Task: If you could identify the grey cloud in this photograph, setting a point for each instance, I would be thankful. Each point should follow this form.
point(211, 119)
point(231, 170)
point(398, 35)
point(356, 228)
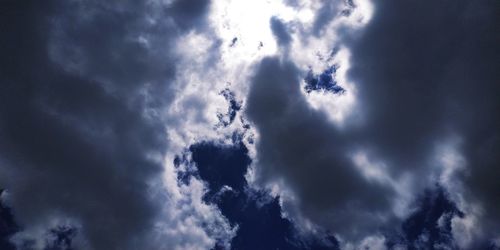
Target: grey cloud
point(299, 144)
point(424, 71)
point(79, 135)
point(188, 13)
point(328, 11)
point(280, 31)
point(429, 69)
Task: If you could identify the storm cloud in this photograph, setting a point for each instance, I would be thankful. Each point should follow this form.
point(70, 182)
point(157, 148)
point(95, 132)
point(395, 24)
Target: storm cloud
point(424, 73)
point(299, 144)
point(197, 124)
point(83, 85)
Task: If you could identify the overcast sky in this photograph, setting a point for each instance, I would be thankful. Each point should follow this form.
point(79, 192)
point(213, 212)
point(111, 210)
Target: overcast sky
point(263, 124)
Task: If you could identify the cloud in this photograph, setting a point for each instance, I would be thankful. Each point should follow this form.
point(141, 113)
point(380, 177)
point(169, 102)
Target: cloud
point(376, 242)
point(421, 73)
point(300, 146)
point(368, 105)
point(425, 72)
point(280, 32)
point(85, 87)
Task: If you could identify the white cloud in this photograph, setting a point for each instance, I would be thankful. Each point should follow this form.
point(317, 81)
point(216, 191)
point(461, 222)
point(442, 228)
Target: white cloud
point(188, 222)
point(467, 230)
point(373, 242)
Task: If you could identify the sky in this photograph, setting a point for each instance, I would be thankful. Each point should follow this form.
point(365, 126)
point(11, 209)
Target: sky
point(263, 124)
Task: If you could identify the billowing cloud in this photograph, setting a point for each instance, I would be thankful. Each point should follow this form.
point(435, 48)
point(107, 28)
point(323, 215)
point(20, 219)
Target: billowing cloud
point(84, 90)
point(423, 74)
point(299, 145)
point(183, 124)
point(426, 72)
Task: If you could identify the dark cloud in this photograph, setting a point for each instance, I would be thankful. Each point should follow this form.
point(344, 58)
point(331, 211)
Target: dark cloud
point(424, 72)
point(280, 31)
point(60, 238)
point(80, 136)
point(300, 145)
point(83, 84)
point(188, 13)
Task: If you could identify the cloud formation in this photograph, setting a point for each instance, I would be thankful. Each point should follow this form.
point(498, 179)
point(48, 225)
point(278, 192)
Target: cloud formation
point(300, 146)
point(427, 72)
point(183, 124)
point(83, 136)
point(423, 74)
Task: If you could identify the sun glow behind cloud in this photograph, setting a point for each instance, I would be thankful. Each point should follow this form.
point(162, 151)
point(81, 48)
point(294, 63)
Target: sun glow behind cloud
point(239, 36)
point(353, 126)
point(248, 22)
point(246, 35)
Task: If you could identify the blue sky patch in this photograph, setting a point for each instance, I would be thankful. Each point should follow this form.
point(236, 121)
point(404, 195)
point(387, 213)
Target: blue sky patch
point(324, 81)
